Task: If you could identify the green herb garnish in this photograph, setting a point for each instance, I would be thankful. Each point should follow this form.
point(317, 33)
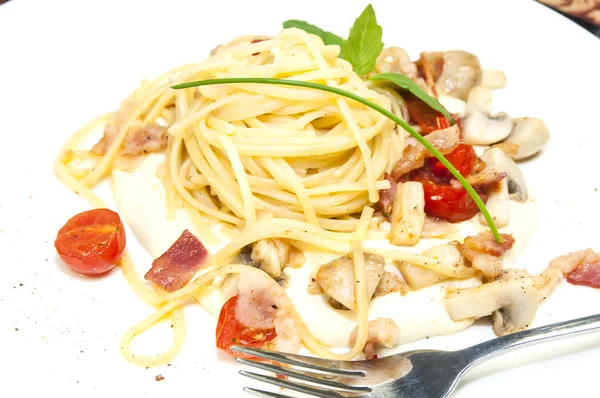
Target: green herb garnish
point(372, 105)
point(363, 45)
point(407, 83)
point(327, 37)
point(361, 49)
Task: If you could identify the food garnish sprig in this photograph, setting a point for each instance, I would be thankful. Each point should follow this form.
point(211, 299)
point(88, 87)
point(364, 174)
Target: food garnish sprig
point(361, 49)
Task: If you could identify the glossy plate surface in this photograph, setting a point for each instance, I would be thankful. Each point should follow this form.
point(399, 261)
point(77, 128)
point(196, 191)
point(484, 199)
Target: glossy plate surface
point(64, 62)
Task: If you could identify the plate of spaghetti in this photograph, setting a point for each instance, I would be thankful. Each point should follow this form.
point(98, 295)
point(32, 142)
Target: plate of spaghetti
point(351, 187)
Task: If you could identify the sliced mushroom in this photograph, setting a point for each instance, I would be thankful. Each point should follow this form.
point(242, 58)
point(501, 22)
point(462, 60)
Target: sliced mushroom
point(512, 300)
point(337, 278)
point(530, 135)
point(479, 100)
point(508, 147)
point(498, 205)
point(447, 255)
point(493, 78)
point(496, 159)
point(419, 277)
point(273, 255)
point(461, 72)
point(453, 105)
point(483, 129)
point(408, 215)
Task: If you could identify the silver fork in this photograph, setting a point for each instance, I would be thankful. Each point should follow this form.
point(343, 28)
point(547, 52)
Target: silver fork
point(414, 374)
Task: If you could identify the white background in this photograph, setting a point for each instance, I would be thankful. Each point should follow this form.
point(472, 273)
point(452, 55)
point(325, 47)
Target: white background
point(64, 62)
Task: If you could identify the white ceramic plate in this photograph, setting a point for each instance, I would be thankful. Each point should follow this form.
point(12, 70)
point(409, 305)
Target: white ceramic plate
point(63, 62)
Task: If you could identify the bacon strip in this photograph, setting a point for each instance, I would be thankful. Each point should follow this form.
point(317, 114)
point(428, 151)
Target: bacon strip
point(140, 140)
point(175, 267)
point(427, 118)
point(484, 252)
point(485, 242)
point(445, 141)
point(485, 179)
point(586, 274)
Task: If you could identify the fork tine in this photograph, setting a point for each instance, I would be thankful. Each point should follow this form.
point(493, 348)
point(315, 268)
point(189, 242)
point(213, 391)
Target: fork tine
point(314, 391)
point(262, 393)
point(300, 361)
point(312, 377)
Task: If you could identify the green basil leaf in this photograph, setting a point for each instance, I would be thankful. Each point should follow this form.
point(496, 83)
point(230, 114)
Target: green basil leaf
point(363, 45)
point(407, 83)
point(327, 37)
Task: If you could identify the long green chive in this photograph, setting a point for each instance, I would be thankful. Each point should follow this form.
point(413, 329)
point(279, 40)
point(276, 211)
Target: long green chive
point(370, 104)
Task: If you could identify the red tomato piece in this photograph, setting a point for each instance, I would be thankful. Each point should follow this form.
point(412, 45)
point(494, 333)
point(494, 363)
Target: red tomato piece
point(231, 332)
point(424, 116)
point(92, 242)
point(447, 202)
point(463, 158)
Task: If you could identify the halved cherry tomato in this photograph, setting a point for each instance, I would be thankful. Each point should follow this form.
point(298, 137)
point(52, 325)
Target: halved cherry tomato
point(447, 202)
point(91, 242)
point(424, 116)
point(463, 158)
point(231, 332)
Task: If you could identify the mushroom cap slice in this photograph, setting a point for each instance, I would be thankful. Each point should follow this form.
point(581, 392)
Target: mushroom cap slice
point(496, 159)
point(530, 135)
point(518, 316)
point(408, 215)
point(337, 278)
point(453, 105)
point(483, 129)
point(512, 300)
point(419, 277)
point(493, 78)
point(480, 99)
point(461, 72)
point(498, 205)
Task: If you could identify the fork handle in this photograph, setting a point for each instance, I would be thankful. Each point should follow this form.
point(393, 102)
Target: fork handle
point(492, 348)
